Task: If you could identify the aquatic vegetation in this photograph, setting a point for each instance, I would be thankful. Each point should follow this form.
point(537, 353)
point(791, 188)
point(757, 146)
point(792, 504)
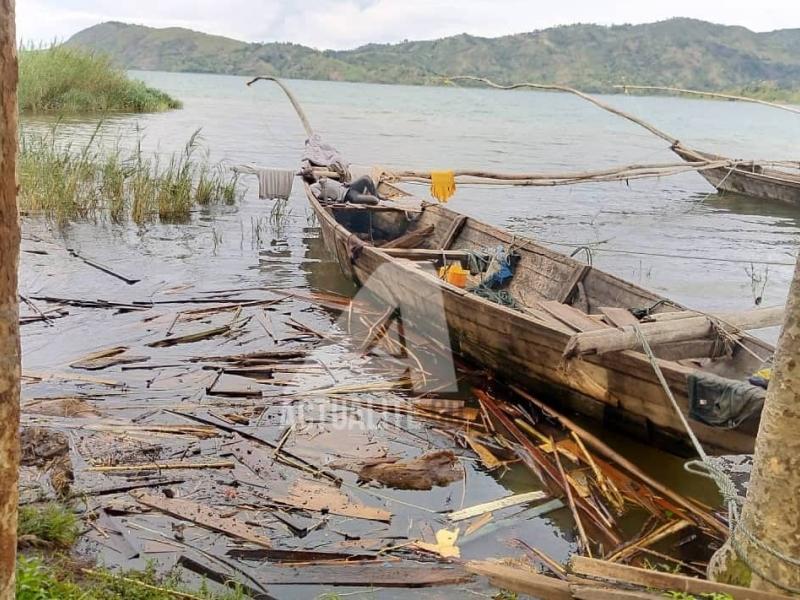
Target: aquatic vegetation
point(51, 523)
point(64, 181)
point(63, 580)
point(60, 79)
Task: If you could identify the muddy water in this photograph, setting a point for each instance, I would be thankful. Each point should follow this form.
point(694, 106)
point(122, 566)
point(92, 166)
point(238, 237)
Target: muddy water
point(709, 240)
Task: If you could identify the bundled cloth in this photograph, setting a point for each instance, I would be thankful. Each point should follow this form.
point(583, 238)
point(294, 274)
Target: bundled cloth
point(272, 183)
point(319, 153)
point(443, 185)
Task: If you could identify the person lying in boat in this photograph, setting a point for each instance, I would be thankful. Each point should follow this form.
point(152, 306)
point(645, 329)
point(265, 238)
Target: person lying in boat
point(359, 191)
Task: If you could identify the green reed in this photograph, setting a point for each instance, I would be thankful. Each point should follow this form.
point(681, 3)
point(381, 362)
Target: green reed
point(61, 79)
point(67, 181)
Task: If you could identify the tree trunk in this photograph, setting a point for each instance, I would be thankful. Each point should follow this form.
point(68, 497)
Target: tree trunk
point(9, 307)
point(771, 510)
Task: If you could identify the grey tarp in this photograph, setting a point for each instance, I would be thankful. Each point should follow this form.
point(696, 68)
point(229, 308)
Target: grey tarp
point(318, 153)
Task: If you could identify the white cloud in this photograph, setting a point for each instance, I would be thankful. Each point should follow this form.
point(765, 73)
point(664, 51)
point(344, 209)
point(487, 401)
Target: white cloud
point(349, 23)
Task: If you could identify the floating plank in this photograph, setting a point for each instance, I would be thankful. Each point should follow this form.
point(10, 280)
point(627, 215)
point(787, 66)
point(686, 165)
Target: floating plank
point(202, 515)
point(586, 592)
point(646, 578)
point(521, 581)
point(153, 466)
point(288, 556)
point(312, 495)
point(369, 574)
point(489, 460)
point(479, 509)
point(105, 358)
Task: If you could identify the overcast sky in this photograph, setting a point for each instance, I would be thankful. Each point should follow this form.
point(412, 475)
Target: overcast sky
point(343, 24)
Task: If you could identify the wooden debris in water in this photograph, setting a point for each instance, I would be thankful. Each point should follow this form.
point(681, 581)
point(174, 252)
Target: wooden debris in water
point(659, 580)
point(489, 460)
point(436, 468)
point(205, 516)
point(306, 494)
point(224, 464)
point(487, 507)
point(659, 533)
point(105, 358)
point(69, 406)
point(103, 268)
point(679, 503)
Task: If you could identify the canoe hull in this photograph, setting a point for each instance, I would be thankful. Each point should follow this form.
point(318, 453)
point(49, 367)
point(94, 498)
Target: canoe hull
point(764, 183)
point(618, 389)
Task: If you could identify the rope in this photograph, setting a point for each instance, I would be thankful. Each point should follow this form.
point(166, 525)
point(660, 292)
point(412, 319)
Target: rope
point(705, 467)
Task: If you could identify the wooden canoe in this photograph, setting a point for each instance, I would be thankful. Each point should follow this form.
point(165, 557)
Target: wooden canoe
point(749, 179)
point(558, 297)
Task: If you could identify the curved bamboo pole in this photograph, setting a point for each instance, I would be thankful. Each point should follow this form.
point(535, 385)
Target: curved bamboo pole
point(678, 90)
point(295, 103)
point(562, 88)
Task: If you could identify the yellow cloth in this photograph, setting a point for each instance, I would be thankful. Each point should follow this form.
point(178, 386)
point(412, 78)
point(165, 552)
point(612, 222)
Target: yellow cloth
point(443, 185)
point(764, 373)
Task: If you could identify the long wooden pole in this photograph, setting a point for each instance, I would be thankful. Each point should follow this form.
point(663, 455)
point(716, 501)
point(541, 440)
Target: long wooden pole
point(9, 308)
point(677, 90)
point(295, 103)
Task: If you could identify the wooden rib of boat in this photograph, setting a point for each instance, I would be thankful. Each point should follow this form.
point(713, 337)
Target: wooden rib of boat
point(558, 298)
point(749, 178)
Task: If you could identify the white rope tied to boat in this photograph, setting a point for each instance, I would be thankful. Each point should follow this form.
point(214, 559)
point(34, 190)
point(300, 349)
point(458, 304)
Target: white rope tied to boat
point(273, 184)
point(705, 467)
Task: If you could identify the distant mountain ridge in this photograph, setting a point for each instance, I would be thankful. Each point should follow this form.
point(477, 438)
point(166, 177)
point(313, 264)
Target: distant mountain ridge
point(678, 52)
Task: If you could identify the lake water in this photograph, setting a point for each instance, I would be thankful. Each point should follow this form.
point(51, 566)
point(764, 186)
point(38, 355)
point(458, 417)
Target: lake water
point(441, 127)
point(672, 235)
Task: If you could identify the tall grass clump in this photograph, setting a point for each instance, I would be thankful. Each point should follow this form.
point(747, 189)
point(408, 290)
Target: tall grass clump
point(61, 79)
point(66, 181)
point(37, 579)
point(51, 523)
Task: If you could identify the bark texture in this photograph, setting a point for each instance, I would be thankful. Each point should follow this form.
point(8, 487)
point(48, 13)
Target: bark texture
point(771, 511)
point(9, 308)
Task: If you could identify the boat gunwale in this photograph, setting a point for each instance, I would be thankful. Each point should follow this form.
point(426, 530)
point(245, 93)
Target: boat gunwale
point(672, 369)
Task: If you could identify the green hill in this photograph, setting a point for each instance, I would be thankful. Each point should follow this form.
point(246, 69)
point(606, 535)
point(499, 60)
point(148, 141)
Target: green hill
point(677, 52)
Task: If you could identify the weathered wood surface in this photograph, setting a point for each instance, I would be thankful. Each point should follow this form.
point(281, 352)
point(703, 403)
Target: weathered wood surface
point(370, 573)
point(479, 509)
point(521, 581)
point(680, 329)
point(411, 239)
point(527, 349)
point(202, 515)
point(755, 181)
point(646, 578)
point(317, 496)
point(9, 308)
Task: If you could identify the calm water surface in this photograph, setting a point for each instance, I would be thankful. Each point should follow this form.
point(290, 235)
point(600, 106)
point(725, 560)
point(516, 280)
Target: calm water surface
point(709, 239)
point(430, 128)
